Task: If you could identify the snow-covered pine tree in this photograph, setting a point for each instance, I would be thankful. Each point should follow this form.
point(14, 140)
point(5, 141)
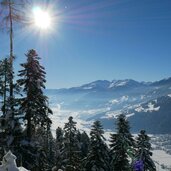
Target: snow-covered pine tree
point(122, 144)
point(34, 155)
point(98, 156)
point(50, 147)
point(40, 138)
point(71, 152)
point(10, 119)
point(35, 104)
point(46, 148)
point(45, 145)
point(143, 152)
point(59, 145)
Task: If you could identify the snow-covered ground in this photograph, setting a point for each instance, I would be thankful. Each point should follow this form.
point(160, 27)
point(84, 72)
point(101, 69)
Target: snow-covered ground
point(161, 158)
point(9, 163)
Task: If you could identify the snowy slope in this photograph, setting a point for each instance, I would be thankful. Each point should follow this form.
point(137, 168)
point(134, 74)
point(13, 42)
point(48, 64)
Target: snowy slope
point(161, 158)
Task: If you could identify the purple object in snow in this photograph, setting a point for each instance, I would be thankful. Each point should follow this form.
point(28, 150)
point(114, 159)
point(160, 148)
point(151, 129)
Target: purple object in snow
point(138, 165)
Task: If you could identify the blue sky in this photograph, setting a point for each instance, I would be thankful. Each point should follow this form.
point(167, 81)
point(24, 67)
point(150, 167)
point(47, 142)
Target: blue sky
point(100, 39)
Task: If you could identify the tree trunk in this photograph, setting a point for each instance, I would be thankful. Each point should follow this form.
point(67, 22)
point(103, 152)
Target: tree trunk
point(11, 56)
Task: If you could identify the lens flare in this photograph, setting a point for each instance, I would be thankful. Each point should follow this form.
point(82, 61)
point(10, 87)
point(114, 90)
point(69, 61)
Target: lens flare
point(42, 18)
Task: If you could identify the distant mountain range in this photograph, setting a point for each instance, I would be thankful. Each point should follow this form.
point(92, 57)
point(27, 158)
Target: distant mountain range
point(146, 104)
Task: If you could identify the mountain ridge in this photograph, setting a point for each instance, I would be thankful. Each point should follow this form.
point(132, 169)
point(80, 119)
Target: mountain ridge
point(107, 84)
point(104, 100)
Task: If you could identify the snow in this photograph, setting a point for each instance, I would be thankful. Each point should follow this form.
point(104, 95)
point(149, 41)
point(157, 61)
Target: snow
point(152, 108)
point(22, 169)
point(129, 115)
point(87, 88)
point(117, 84)
point(114, 101)
point(121, 84)
point(119, 100)
point(112, 114)
point(124, 98)
point(149, 108)
point(139, 109)
point(112, 84)
point(161, 157)
point(9, 163)
point(169, 95)
point(155, 101)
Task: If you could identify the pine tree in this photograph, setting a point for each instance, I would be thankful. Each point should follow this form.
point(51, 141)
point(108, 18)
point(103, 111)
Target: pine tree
point(84, 144)
point(121, 145)
point(34, 105)
point(44, 142)
point(50, 147)
point(40, 138)
point(71, 152)
point(59, 147)
point(36, 155)
point(143, 152)
point(98, 155)
point(10, 119)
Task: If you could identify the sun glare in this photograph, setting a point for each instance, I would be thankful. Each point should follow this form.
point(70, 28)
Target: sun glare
point(42, 19)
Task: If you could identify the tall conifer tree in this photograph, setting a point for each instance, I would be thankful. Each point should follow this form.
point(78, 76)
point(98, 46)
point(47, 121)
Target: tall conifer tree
point(143, 151)
point(71, 153)
point(122, 144)
point(59, 147)
point(10, 119)
point(98, 156)
point(34, 104)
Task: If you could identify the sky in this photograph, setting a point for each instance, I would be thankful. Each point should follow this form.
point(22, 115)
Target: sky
point(98, 40)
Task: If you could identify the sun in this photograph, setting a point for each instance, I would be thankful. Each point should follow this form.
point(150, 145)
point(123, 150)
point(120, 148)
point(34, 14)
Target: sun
point(42, 18)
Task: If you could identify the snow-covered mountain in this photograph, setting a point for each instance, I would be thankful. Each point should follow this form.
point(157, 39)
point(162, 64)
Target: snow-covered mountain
point(104, 85)
point(146, 104)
